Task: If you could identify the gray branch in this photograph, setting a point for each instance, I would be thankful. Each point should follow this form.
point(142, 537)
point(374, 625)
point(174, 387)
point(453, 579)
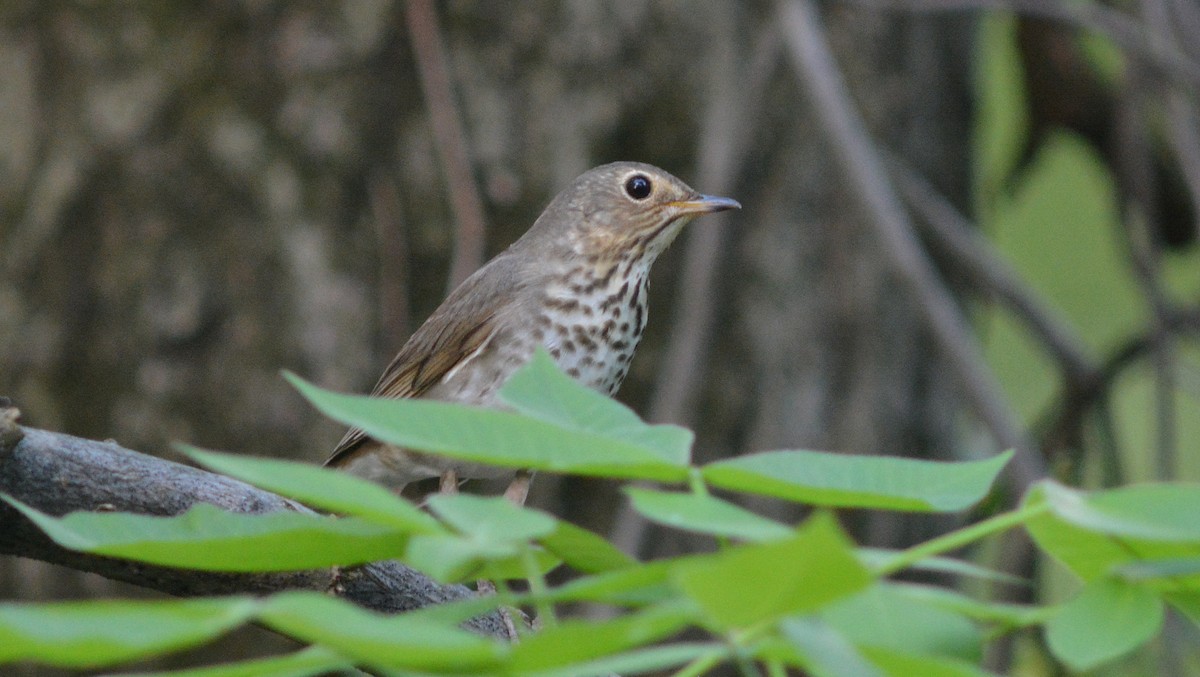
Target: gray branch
point(59, 474)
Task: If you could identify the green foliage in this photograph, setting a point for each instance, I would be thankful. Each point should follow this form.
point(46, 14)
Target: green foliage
point(1056, 212)
point(800, 597)
point(822, 478)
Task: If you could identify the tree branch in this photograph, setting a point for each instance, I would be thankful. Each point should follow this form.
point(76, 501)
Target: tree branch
point(1125, 31)
point(450, 139)
point(59, 474)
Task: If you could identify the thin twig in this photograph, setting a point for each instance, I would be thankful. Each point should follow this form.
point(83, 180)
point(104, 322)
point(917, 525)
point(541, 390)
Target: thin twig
point(450, 140)
point(863, 167)
point(1119, 27)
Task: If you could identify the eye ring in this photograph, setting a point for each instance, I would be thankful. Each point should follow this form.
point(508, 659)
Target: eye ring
point(638, 187)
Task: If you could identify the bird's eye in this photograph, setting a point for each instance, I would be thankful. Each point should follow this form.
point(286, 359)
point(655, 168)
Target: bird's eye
point(638, 187)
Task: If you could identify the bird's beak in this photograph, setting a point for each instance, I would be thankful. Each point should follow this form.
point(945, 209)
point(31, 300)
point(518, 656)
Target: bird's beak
point(704, 204)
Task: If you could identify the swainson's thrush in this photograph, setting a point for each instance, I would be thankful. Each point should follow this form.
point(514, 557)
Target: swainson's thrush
point(574, 283)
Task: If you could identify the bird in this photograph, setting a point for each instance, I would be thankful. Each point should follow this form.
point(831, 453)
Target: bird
point(575, 283)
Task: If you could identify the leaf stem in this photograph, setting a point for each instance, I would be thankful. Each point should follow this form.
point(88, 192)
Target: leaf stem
point(960, 537)
point(702, 664)
point(537, 586)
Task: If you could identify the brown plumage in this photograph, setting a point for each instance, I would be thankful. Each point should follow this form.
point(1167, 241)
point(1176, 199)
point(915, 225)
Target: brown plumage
point(574, 283)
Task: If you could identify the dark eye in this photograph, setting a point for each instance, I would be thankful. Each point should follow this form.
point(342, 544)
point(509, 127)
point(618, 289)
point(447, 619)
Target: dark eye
point(638, 187)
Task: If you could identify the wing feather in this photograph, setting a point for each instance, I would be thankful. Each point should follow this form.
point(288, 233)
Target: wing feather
point(457, 331)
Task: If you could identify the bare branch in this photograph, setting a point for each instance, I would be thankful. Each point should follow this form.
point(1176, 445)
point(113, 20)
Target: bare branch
point(451, 141)
point(58, 474)
point(815, 68)
point(1123, 30)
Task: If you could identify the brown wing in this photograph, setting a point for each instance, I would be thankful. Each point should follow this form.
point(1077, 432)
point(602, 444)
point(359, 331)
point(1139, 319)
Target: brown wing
point(462, 325)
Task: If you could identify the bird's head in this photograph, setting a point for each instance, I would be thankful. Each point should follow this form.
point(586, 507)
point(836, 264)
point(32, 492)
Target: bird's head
point(622, 210)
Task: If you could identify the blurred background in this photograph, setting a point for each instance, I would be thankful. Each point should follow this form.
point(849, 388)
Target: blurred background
point(968, 225)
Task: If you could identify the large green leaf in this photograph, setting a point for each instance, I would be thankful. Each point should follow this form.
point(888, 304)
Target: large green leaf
point(1096, 534)
point(705, 514)
point(388, 642)
point(501, 438)
point(656, 659)
point(491, 519)
point(574, 642)
point(542, 391)
point(1002, 118)
point(583, 550)
point(843, 480)
point(885, 616)
point(647, 583)
point(100, 633)
point(453, 559)
point(491, 536)
point(1109, 618)
point(900, 664)
point(1061, 230)
point(763, 582)
point(305, 663)
point(825, 652)
point(320, 488)
point(1158, 512)
point(208, 538)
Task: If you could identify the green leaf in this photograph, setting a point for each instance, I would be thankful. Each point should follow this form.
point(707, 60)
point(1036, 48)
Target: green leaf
point(647, 583)
point(450, 559)
point(636, 662)
point(823, 478)
point(511, 568)
point(704, 514)
point(453, 559)
point(1109, 618)
point(541, 390)
point(99, 633)
point(388, 642)
point(1096, 534)
point(900, 664)
point(208, 538)
point(575, 642)
point(1156, 512)
point(1062, 232)
point(1187, 603)
point(492, 535)
point(583, 550)
point(1002, 121)
point(825, 652)
point(310, 661)
point(320, 488)
point(491, 519)
point(762, 582)
point(500, 438)
point(886, 616)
